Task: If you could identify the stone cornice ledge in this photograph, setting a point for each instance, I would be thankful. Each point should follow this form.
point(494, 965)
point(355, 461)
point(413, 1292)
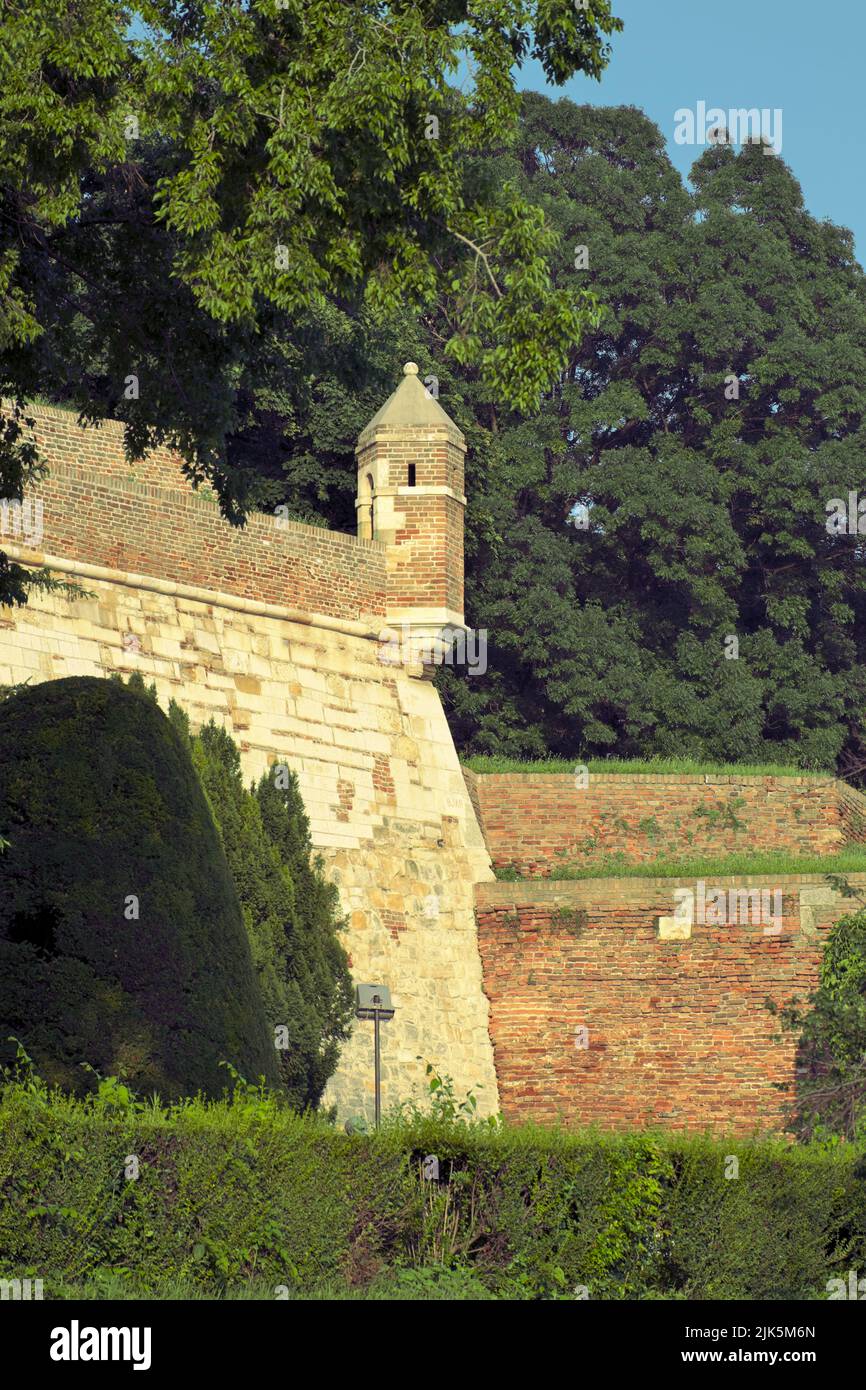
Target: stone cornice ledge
point(366, 628)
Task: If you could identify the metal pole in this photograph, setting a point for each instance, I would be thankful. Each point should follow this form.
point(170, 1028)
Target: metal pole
point(378, 1072)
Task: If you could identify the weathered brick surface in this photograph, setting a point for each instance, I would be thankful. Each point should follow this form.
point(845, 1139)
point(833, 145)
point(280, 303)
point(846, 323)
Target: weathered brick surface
point(679, 1033)
point(541, 821)
point(146, 519)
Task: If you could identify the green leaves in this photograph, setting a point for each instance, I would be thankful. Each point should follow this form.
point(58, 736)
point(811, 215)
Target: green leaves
point(290, 912)
point(704, 419)
point(327, 144)
point(830, 1100)
point(175, 194)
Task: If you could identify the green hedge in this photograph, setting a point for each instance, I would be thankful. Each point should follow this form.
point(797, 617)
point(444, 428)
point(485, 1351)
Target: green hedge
point(122, 943)
point(239, 1191)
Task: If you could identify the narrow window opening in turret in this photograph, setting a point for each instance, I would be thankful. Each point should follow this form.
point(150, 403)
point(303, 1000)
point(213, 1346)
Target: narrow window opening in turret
point(411, 479)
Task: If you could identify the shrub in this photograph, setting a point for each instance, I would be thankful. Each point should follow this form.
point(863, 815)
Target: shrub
point(243, 1194)
point(321, 992)
point(830, 1100)
point(121, 937)
point(290, 911)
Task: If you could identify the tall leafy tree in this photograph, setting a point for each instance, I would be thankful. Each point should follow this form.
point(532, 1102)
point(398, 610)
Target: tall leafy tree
point(671, 491)
point(60, 70)
point(700, 430)
point(174, 192)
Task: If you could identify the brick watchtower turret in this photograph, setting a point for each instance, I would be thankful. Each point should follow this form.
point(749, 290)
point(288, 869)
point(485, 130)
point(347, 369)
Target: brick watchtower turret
point(410, 495)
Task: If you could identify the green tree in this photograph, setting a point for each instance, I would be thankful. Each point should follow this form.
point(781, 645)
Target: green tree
point(830, 1100)
point(121, 938)
point(701, 430)
point(290, 911)
point(697, 432)
point(173, 194)
point(319, 980)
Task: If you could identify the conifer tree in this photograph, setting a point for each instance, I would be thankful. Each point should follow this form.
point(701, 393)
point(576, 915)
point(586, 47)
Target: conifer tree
point(122, 944)
point(290, 911)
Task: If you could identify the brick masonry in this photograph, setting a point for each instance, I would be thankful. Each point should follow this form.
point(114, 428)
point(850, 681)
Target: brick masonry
point(145, 518)
point(424, 520)
point(678, 1032)
point(539, 822)
point(275, 635)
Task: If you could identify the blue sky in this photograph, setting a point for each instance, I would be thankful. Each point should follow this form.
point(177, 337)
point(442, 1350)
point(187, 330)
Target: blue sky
point(806, 58)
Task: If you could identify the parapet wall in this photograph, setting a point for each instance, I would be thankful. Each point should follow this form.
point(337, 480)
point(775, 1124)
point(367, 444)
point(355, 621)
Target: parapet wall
point(540, 822)
point(146, 518)
point(677, 1032)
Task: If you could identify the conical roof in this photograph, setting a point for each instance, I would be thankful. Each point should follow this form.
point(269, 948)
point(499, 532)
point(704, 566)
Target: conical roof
point(410, 407)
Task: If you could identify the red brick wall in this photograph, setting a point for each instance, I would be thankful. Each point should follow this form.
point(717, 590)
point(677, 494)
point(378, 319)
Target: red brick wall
point(426, 565)
point(62, 442)
point(679, 1034)
point(541, 821)
point(147, 519)
point(427, 569)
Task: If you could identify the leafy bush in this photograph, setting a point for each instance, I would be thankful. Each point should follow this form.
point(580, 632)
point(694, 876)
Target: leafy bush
point(121, 937)
point(242, 1195)
point(290, 911)
point(830, 1100)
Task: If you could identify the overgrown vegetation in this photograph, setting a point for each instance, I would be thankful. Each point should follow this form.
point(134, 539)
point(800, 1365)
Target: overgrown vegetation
point(241, 1197)
point(765, 863)
point(484, 762)
point(830, 1091)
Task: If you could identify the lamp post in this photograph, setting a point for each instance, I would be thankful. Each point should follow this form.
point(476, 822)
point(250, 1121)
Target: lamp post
point(374, 1001)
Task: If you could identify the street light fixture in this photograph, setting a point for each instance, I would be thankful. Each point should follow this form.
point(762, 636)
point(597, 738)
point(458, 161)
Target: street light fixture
point(374, 1001)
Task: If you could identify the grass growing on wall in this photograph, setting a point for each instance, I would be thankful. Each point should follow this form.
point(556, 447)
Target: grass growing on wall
point(763, 864)
point(659, 766)
point(240, 1198)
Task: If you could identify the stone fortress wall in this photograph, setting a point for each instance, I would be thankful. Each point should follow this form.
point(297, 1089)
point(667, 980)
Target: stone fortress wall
point(276, 631)
point(307, 646)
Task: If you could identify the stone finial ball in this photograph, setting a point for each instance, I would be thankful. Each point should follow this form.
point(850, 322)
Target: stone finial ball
point(410, 369)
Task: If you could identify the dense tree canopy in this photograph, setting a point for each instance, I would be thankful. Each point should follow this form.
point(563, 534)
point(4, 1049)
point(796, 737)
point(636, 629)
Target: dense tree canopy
point(176, 193)
point(702, 428)
point(671, 493)
point(647, 543)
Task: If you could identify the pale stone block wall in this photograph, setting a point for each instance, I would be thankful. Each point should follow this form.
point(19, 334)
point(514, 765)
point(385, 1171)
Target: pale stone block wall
point(379, 775)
